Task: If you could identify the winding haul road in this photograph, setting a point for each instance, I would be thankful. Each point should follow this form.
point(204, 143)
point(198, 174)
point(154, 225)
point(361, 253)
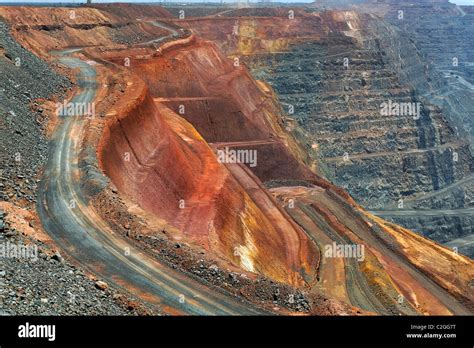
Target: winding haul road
point(82, 234)
point(358, 290)
point(425, 212)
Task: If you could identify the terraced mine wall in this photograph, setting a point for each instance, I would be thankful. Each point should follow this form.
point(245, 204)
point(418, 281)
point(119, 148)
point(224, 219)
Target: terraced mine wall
point(386, 162)
point(442, 34)
point(380, 160)
point(429, 75)
point(431, 46)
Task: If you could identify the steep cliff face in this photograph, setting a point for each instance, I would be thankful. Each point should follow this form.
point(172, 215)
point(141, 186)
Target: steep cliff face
point(226, 107)
point(170, 171)
point(334, 81)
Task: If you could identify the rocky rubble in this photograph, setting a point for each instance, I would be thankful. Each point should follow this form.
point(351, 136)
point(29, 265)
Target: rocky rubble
point(42, 282)
point(25, 80)
point(263, 290)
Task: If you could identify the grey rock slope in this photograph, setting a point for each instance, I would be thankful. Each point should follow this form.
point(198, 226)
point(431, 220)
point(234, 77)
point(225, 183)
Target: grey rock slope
point(36, 281)
point(23, 148)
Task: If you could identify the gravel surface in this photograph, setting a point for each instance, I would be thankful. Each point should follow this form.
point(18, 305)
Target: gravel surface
point(23, 148)
point(40, 281)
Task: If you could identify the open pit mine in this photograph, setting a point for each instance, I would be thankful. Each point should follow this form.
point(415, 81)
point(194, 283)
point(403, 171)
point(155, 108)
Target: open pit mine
point(237, 160)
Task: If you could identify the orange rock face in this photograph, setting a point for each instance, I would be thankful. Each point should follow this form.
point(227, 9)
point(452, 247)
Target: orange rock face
point(246, 33)
point(171, 171)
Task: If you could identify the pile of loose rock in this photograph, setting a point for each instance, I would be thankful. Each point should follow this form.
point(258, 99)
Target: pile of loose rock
point(41, 282)
point(25, 80)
